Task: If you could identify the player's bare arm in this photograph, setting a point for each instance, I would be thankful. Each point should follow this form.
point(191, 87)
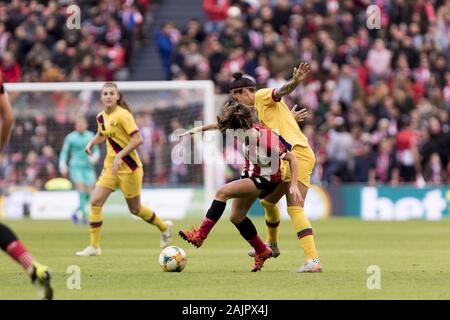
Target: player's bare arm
point(136, 141)
point(98, 139)
point(6, 120)
point(298, 76)
point(212, 126)
point(293, 188)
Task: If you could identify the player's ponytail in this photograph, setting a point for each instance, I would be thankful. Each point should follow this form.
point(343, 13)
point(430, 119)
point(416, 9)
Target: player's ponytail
point(121, 102)
point(235, 116)
point(241, 81)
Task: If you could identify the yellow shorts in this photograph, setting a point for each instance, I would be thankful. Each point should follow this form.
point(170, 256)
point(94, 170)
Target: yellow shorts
point(305, 165)
point(129, 183)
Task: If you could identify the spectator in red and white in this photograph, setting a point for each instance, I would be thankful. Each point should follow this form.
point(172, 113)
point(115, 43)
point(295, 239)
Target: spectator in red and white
point(100, 70)
point(10, 68)
point(339, 153)
point(235, 61)
point(447, 92)
point(217, 13)
point(407, 151)
point(386, 167)
point(378, 62)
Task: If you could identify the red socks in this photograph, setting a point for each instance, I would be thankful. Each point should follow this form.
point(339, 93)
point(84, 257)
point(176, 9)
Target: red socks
point(18, 252)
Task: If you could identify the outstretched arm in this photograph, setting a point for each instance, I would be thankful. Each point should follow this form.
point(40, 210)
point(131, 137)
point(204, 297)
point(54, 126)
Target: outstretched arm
point(298, 76)
point(212, 126)
point(96, 140)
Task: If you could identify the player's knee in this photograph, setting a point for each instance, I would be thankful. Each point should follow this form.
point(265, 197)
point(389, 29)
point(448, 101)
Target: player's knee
point(96, 202)
point(135, 209)
point(267, 205)
point(235, 219)
point(295, 203)
point(222, 194)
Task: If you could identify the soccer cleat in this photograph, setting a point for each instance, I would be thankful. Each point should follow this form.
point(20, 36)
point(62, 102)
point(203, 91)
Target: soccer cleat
point(166, 236)
point(40, 278)
point(192, 237)
point(74, 218)
point(312, 265)
point(261, 258)
point(89, 251)
point(273, 246)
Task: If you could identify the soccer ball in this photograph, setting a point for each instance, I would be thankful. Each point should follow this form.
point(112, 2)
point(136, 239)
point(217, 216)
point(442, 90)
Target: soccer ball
point(172, 259)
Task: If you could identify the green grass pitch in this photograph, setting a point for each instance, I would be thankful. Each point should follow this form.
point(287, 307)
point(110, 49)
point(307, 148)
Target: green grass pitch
point(414, 259)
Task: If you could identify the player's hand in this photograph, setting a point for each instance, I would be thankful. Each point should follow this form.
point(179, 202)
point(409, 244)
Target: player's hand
point(94, 157)
point(301, 72)
point(116, 165)
point(295, 192)
point(88, 149)
point(64, 172)
point(63, 169)
point(299, 115)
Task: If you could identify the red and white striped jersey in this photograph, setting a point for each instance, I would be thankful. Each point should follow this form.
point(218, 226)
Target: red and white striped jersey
point(263, 153)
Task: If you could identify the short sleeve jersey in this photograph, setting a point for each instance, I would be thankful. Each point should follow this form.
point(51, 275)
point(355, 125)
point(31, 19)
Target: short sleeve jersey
point(275, 115)
point(118, 127)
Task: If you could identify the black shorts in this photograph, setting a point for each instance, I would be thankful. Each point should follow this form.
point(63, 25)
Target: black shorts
point(262, 184)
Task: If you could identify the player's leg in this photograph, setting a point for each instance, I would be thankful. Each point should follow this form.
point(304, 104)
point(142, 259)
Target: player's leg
point(88, 187)
point(272, 219)
point(303, 230)
point(131, 186)
point(76, 178)
point(40, 274)
point(81, 201)
point(148, 215)
point(87, 190)
point(100, 195)
point(236, 189)
point(302, 225)
point(247, 229)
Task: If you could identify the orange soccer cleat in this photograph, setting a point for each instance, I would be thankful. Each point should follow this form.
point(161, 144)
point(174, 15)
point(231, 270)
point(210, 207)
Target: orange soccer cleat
point(261, 258)
point(192, 237)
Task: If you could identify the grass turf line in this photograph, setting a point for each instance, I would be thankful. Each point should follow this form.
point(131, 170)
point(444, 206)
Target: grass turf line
point(413, 257)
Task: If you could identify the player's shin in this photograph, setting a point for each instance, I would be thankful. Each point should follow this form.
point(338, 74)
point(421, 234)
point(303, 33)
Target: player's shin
point(95, 222)
point(304, 231)
point(248, 231)
point(272, 218)
point(150, 216)
point(212, 216)
point(15, 248)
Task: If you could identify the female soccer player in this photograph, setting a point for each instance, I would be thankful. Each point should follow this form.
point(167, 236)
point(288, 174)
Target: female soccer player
point(40, 274)
point(122, 167)
point(275, 115)
point(81, 166)
point(263, 150)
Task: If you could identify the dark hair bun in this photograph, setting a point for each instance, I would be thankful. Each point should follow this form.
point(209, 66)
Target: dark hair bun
point(238, 75)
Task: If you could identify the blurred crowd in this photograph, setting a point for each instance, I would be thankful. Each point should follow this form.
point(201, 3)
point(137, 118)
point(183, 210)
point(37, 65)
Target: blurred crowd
point(31, 156)
point(378, 99)
point(40, 40)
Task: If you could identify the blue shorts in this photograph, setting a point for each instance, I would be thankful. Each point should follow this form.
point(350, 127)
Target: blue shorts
point(85, 176)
